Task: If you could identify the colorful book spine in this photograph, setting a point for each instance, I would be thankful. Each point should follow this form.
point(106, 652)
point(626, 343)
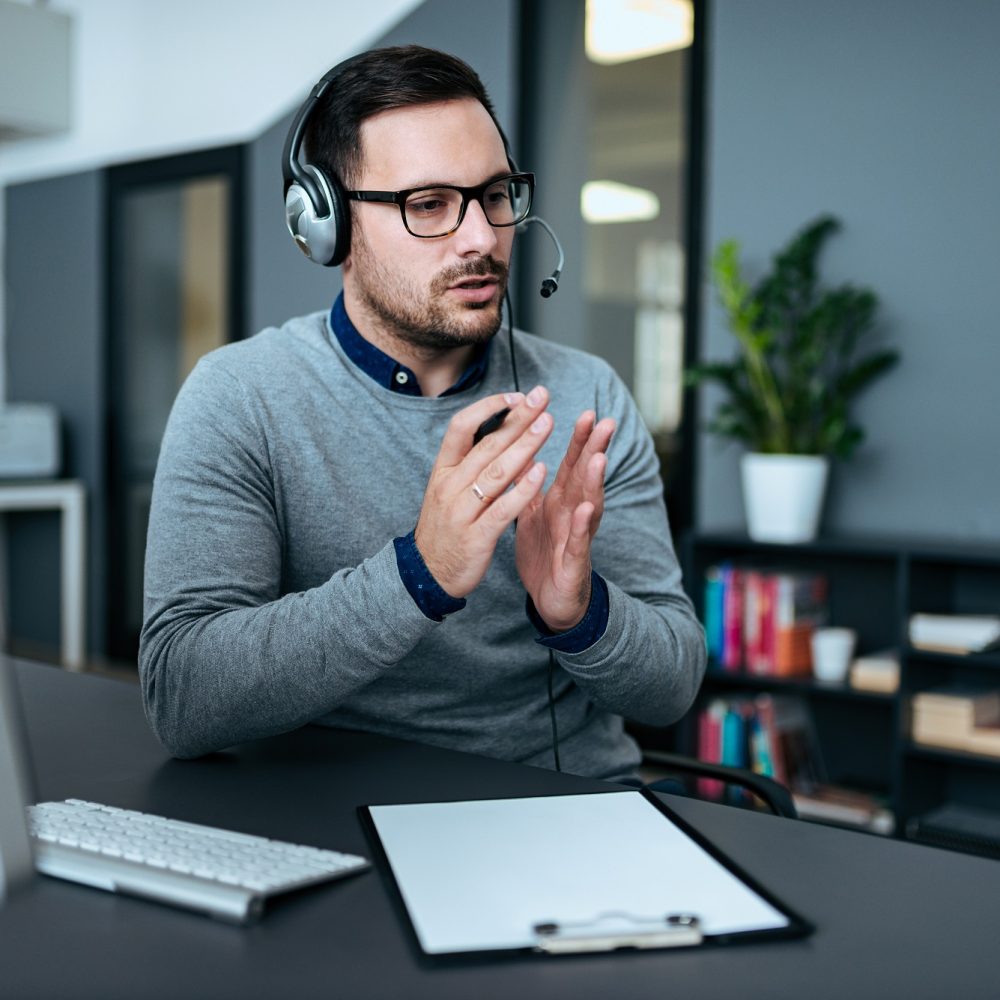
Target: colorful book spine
point(800, 606)
point(754, 609)
point(772, 735)
point(714, 594)
point(764, 710)
point(760, 749)
point(710, 747)
point(736, 743)
point(732, 619)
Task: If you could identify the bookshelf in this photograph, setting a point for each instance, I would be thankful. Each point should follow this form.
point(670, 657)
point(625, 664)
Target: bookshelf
point(864, 737)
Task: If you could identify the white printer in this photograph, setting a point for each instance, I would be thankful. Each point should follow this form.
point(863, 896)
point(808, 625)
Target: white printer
point(29, 441)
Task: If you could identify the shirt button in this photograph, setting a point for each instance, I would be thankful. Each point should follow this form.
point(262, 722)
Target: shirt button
point(402, 378)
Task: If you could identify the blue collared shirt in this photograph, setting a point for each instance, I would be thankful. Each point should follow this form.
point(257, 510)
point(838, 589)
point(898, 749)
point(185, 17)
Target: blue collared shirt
point(387, 371)
point(434, 602)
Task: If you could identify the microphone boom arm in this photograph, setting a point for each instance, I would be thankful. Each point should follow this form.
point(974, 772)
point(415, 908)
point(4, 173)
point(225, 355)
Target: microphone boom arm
point(551, 283)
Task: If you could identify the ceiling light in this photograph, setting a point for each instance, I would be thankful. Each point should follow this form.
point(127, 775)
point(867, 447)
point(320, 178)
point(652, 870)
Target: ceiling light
point(609, 201)
point(620, 30)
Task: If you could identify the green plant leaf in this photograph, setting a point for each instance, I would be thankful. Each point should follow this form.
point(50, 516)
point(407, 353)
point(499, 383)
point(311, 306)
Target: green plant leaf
point(795, 371)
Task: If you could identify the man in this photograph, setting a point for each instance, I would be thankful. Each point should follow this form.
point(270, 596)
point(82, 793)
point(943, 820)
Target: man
point(329, 543)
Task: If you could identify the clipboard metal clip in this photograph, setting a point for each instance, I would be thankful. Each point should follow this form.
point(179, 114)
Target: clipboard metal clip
point(611, 931)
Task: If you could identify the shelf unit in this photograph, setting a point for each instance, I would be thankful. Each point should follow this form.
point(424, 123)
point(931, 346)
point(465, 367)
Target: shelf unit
point(875, 585)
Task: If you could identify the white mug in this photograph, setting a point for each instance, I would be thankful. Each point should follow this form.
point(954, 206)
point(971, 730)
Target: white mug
point(832, 652)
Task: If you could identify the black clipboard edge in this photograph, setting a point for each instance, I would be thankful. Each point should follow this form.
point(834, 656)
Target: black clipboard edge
point(798, 926)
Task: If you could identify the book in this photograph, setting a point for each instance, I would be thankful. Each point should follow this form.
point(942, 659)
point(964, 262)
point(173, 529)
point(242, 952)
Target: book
point(732, 618)
point(847, 807)
point(772, 735)
point(710, 746)
point(758, 622)
point(797, 744)
point(714, 594)
point(800, 606)
point(959, 634)
point(734, 736)
point(764, 705)
point(761, 621)
point(964, 705)
point(736, 744)
point(957, 717)
point(876, 672)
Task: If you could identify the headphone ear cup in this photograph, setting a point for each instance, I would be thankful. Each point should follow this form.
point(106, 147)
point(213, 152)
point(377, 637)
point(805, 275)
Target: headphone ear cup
point(323, 235)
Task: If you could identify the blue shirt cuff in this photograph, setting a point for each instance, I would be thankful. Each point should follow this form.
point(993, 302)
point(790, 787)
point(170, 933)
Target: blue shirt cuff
point(434, 603)
point(586, 632)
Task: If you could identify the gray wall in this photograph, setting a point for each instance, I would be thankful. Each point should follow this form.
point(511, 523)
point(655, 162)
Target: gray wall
point(886, 115)
point(553, 151)
point(55, 354)
point(283, 283)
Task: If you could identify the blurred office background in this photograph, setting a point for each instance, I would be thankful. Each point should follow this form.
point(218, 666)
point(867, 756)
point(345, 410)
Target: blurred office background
point(141, 226)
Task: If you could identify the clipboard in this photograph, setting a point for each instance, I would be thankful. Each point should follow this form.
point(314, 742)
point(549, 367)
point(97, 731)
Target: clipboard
point(567, 874)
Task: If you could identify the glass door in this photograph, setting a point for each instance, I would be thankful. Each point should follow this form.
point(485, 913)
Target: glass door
point(610, 120)
point(174, 293)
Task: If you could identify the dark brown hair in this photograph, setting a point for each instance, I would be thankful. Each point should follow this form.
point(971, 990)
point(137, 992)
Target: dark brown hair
point(379, 80)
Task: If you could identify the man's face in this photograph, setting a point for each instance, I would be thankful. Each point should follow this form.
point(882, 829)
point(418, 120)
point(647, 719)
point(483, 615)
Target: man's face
point(438, 293)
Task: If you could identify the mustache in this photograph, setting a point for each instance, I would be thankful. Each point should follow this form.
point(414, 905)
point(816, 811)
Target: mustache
point(481, 267)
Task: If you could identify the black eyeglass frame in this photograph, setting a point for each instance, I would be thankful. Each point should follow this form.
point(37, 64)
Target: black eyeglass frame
point(467, 193)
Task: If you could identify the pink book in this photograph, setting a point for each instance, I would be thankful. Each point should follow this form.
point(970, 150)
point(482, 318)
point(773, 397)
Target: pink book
point(732, 619)
point(710, 747)
point(753, 617)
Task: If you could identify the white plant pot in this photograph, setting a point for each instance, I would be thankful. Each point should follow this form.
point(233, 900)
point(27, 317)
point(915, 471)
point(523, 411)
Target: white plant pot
point(783, 495)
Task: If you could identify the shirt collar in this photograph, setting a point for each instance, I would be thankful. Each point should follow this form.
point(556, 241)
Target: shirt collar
point(387, 371)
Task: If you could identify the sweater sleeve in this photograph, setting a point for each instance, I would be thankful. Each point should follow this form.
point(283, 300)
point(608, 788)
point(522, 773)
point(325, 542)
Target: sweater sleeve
point(649, 663)
point(224, 655)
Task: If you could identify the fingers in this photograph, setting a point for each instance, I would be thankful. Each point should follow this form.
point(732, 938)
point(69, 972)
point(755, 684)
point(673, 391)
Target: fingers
point(576, 472)
point(503, 457)
point(508, 507)
point(495, 478)
point(581, 529)
point(581, 434)
point(457, 440)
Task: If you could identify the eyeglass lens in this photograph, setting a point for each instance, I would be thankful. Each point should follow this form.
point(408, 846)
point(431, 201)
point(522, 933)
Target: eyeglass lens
point(436, 211)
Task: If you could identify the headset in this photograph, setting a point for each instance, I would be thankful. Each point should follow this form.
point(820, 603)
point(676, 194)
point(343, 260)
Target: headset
point(317, 212)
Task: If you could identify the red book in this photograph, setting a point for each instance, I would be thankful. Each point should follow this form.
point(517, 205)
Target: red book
point(710, 747)
point(732, 618)
point(754, 607)
point(768, 622)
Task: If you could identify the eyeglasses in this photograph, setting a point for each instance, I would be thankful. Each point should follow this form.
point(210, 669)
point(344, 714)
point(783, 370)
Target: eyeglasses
point(434, 211)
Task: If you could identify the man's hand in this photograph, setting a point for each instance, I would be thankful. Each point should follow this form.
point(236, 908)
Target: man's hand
point(468, 504)
point(555, 531)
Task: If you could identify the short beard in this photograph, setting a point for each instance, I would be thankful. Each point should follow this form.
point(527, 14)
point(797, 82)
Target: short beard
point(424, 321)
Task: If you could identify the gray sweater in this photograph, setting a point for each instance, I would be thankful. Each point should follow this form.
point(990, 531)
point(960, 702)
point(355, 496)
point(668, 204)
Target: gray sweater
point(272, 595)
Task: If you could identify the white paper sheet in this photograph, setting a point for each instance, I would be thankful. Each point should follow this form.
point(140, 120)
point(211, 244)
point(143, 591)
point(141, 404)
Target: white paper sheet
point(477, 876)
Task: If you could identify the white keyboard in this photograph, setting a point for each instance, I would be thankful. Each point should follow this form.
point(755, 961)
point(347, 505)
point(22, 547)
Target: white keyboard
point(220, 872)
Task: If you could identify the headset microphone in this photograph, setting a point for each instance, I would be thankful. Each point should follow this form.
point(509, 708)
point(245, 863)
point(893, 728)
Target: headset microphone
point(551, 283)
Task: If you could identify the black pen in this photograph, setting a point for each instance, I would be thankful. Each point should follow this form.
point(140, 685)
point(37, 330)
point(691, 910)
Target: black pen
point(490, 424)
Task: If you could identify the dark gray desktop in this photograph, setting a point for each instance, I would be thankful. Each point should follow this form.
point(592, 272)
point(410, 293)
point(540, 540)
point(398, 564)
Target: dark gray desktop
point(892, 919)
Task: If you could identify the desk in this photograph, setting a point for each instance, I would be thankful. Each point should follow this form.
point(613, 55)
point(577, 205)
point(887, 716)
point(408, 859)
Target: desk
point(68, 497)
point(893, 919)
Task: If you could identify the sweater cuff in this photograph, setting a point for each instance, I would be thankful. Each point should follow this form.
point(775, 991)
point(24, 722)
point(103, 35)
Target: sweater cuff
point(434, 603)
point(586, 632)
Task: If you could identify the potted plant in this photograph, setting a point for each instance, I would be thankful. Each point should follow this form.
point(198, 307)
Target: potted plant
point(789, 387)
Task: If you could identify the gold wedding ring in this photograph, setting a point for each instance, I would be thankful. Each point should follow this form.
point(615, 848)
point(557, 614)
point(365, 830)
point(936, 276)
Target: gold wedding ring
point(480, 495)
